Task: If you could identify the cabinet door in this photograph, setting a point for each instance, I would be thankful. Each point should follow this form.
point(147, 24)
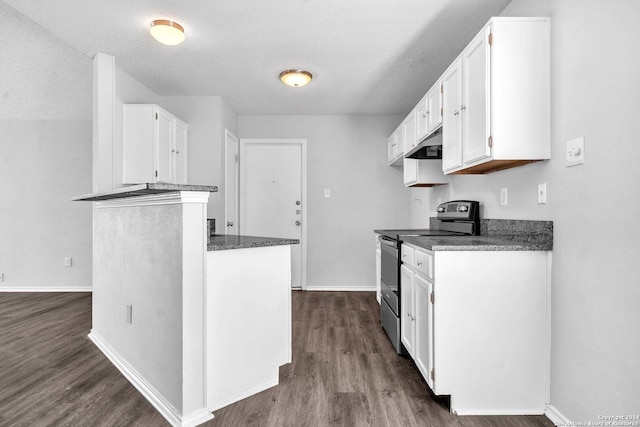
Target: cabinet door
point(422, 119)
point(451, 121)
point(180, 152)
point(475, 105)
point(434, 107)
point(399, 147)
point(391, 147)
point(378, 273)
point(409, 126)
point(406, 308)
point(410, 170)
point(163, 137)
point(423, 349)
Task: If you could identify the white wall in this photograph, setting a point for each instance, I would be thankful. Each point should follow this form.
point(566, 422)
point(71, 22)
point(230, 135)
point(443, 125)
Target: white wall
point(595, 368)
point(347, 154)
point(45, 158)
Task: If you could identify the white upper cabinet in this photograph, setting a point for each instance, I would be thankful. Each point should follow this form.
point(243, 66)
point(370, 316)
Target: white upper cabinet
point(180, 152)
point(422, 119)
point(496, 98)
point(475, 99)
point(154, 146)
point(396, 146)
point(409, 125)
point(451, 119)
point(434, 107)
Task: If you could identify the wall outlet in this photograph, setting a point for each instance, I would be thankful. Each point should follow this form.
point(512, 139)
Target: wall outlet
point(1, 277)
point(542, 193)
point(575, 152)
point(504, 196)
point(67, 261)
point(129, 313)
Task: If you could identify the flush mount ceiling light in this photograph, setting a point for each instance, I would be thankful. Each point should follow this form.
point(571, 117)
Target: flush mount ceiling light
point(295, 78)
point(167, 32)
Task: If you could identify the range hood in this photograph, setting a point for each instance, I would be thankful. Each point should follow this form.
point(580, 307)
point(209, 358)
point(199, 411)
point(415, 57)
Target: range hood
point(428, 148)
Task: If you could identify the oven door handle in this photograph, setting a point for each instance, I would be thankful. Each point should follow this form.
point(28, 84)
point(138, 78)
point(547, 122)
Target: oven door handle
point(389, 242)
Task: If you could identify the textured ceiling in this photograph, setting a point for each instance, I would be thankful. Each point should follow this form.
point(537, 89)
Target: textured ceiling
point(367, 56)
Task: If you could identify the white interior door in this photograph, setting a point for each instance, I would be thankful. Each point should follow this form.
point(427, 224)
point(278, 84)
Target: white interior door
point(230, 183)
point(272, 202)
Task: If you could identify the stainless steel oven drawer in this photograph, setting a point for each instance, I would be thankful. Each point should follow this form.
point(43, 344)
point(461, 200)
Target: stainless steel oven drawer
point(391, 325)
point(390, 297)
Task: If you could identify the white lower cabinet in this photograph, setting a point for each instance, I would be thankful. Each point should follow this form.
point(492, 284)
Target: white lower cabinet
point(476, 324)
point(378, 267)
point(422, 354)
point(416, 322)
point(407, 309)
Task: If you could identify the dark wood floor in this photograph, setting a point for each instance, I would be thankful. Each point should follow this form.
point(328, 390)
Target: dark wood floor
point(344, 372)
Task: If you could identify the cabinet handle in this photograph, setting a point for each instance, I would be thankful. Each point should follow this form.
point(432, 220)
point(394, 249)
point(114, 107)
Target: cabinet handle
point(463, 107)
point(456, 112)
point(173, 151)
point(419, 263)
point(177, 152)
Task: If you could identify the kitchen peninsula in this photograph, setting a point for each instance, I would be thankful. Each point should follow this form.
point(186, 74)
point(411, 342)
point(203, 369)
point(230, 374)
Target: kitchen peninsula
point(193, 325)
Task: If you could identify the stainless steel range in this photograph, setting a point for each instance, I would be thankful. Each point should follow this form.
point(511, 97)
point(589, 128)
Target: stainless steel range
point(456, 218)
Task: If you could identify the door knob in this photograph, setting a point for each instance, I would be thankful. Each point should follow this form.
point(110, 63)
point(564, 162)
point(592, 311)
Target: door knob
point(298, 223)
point(229, 224)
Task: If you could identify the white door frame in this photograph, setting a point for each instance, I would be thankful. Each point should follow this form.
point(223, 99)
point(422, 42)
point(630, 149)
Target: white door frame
point(303, 146)
point(227, 136)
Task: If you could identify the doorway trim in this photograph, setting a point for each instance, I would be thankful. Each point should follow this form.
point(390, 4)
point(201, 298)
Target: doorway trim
point(229, 136)
point(244, 142)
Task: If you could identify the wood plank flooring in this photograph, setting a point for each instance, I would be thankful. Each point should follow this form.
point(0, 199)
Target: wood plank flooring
point(344, 372)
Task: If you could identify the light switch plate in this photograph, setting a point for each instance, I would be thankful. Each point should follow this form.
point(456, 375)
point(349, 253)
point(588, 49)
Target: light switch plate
point(575, 152)
point(504, 193)
point(542, 193)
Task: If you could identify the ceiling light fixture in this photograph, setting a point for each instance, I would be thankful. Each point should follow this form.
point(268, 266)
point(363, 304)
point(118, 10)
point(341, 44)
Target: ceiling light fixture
point(295, 78)
point(167, 32)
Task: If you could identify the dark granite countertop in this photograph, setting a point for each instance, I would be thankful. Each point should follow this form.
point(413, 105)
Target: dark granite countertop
point(142, 190)
point(495, 235)
point(475, 243)
point(221, 242)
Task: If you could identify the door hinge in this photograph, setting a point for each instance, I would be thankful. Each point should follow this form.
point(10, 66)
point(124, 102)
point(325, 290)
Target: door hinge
point(431, 298)
point(441, 88)
point(156, 174)
point(441, 112)
point(490, 39)
point(236, 158)
point(156, 116)
point(433, 375)
point(490, 141)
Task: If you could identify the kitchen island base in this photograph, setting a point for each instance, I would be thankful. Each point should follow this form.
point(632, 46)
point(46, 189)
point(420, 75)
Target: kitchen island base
point(185, 325)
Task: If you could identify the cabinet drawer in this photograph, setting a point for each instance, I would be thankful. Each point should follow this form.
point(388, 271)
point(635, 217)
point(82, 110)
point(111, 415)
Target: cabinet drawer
point(424, 263)
point(407, 255)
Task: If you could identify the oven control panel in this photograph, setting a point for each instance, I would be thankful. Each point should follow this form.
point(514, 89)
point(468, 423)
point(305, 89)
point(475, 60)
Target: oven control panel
point(465, 210)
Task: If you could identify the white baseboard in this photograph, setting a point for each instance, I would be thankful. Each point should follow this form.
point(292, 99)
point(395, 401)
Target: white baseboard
point(47, 289)
point(166, 409)
point(340, 288)
point(556, 417)
point(257, 389)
